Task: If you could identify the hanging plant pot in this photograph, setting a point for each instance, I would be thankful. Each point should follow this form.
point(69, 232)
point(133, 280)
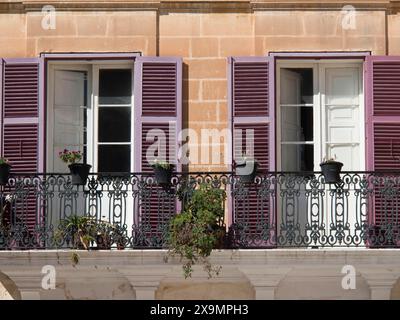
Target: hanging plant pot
point(247, 171)
point(331, 171)
point(4, 173)
point(162, 175)
point(79, 172)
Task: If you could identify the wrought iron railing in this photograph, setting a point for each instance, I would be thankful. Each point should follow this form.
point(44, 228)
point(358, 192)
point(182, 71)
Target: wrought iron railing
point(40, 211)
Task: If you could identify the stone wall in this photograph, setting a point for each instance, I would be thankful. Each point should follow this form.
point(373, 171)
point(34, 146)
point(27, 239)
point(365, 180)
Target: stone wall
point(204, 34)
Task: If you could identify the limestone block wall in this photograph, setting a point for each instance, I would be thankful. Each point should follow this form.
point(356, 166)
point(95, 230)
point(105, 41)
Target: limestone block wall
point(204, 34)
point(120, 31)
point(394, 34)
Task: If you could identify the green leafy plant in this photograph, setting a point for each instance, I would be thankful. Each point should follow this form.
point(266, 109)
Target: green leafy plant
point(4, 161)
point(81, 231)
point(70, 157)
point(198, 229)
point(74, 258)
point(161, 164)
point(77, 230)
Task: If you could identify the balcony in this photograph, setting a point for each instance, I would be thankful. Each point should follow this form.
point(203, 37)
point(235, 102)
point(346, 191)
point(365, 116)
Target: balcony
point(131, 211)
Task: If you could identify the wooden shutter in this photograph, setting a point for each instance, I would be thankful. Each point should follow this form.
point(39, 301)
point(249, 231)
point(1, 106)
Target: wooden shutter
point(158, 109)
point(383, 135)
point(22, 138)
point(251, 98)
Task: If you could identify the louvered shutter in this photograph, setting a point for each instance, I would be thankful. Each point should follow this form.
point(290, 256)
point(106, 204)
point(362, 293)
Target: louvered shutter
point(251, 99)
point(22, 126)
point(383, 137)
point(158, 113)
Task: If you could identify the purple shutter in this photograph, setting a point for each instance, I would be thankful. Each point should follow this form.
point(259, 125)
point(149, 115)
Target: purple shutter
point(383, 132)
point(158, 109)
point(251, 98)
point(22, 131)
point(158, 105)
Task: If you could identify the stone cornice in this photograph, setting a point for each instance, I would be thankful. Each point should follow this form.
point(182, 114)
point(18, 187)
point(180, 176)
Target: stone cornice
point(332, 256)
point(197, 5)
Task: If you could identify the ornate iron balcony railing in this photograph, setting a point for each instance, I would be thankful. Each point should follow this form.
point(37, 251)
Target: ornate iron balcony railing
point(130, 210)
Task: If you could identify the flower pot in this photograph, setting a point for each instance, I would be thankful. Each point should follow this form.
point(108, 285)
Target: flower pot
point(103, 242)
point(331, 171)
point(4, 173)
point(247, 171)
point(79, 172)
point(162, 175)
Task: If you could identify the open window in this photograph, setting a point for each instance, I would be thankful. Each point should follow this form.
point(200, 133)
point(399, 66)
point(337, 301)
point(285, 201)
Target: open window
point(320, 112)
point(90, 108)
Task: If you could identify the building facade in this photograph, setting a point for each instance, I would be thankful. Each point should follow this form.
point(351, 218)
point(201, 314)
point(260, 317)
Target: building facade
point(202, 83)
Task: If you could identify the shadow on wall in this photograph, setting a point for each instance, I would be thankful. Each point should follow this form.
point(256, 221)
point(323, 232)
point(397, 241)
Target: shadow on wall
point(395, 294)
point(8, 289)
point(185, 102)
point(233, 285)
point(321, 283)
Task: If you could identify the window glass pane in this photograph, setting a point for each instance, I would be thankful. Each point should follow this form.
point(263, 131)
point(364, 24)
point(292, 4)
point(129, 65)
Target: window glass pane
point(115, 86)
point(296, 86)
point(297, 157)
point(114, 158)
point(114, 124)
point(297, 124)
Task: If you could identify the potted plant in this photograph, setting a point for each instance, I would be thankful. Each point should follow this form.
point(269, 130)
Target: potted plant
point(162, 171)
point(5, 168)
point(120, 238)
point(246, 167)
point(77, 231)
point(103, 231)
point(79, 171)
point(198, 229)
point(331, 170)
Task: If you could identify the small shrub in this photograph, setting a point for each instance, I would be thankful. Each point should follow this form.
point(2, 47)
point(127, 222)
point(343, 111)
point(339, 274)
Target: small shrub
point(198, 229)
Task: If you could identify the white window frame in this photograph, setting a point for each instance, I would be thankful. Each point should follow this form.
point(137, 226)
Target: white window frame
point(318, 67)
point(92, 69)
point(96, 69)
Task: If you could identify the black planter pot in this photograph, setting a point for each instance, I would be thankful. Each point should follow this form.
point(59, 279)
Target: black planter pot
point(246, 175)
point(331, 171)
point(162, 175)
point(4, 173)
point(79, 172)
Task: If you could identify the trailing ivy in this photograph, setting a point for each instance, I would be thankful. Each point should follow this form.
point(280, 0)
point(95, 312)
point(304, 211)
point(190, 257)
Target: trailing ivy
point(199, 228)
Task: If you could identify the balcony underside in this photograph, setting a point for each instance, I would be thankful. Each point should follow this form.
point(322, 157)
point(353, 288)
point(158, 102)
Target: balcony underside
point(245, 274)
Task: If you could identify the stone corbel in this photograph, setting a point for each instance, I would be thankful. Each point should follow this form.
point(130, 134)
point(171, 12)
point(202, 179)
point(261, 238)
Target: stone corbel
point(145, 279)
point(264, 280)
point(380, 282)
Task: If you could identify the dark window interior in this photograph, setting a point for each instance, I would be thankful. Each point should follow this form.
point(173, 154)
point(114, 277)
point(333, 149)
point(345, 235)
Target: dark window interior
point(115, 86)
